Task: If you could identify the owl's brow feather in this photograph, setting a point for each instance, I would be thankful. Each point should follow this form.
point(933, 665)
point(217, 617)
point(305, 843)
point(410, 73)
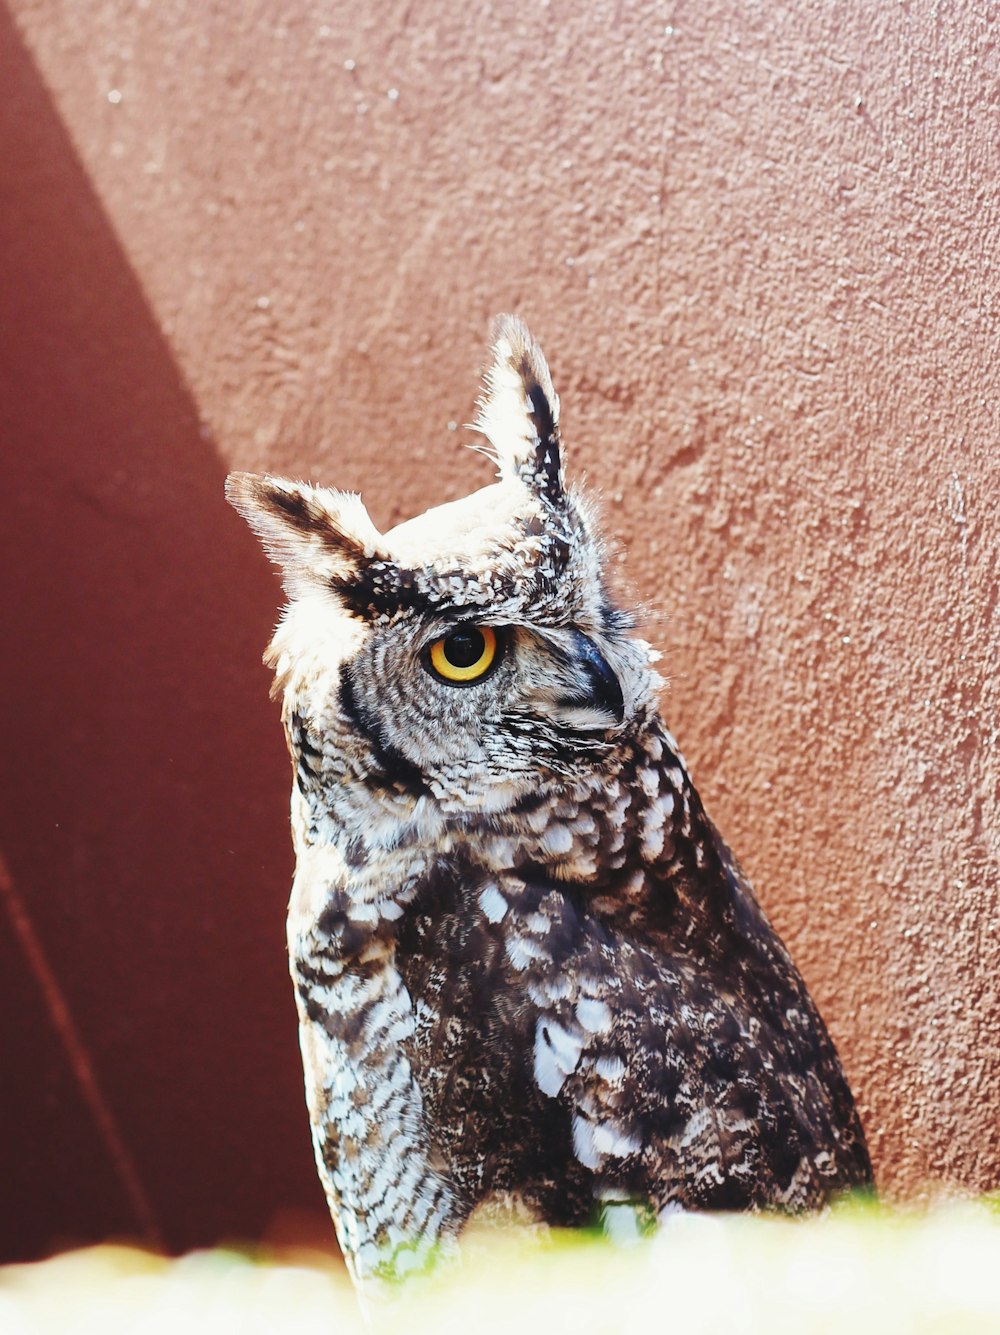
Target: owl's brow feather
point(381, 591)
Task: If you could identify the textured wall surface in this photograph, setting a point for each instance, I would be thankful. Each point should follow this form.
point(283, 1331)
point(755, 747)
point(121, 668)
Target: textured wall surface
point(760, 245)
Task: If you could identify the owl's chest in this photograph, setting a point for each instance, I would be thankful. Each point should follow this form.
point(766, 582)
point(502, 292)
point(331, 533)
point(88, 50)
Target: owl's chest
point(471, 1051)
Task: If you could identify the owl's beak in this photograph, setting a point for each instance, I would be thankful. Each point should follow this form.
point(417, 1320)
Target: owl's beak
point(603, 690)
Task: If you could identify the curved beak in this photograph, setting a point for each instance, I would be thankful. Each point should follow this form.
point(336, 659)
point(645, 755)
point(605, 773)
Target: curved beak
point(601, 689)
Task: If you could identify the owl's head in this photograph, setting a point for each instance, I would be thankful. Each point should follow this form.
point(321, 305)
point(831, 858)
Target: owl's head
point(473, 652)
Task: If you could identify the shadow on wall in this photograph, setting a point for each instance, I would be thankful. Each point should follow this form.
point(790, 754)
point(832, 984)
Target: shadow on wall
point(143, 805)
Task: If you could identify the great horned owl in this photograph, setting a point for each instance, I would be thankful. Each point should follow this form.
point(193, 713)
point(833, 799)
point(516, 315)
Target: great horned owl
point(528, 970)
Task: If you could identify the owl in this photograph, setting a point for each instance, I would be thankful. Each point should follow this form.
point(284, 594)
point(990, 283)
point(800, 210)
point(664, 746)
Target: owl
point(531, 979)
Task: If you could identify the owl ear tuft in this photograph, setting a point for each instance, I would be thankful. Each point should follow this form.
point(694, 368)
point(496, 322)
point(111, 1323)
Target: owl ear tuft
point(519, 411)
point(315, 535)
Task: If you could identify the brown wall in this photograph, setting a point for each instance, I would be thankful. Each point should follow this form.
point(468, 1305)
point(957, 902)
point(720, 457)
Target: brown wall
point(760, 245)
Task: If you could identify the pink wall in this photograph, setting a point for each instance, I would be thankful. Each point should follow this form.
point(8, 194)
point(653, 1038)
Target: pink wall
point(760, 246)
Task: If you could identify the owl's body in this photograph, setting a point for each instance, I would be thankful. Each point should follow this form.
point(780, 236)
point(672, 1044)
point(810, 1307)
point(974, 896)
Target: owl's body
point(530, 976)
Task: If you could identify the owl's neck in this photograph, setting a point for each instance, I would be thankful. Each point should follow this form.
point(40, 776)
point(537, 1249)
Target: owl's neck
point(610, 827)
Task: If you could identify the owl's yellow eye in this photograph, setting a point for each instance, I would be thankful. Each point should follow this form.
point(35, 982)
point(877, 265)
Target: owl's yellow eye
point(465, 655)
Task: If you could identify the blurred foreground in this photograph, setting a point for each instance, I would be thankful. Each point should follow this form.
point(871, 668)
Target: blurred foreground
point(859, 1269)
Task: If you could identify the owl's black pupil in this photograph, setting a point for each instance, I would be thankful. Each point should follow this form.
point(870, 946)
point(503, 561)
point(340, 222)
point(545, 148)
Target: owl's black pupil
point(464, 647)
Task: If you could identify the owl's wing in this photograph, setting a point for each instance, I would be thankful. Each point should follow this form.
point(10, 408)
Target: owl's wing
point(677, 1088)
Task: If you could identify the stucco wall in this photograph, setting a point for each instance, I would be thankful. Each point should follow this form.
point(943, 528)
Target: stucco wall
point(759, 243)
